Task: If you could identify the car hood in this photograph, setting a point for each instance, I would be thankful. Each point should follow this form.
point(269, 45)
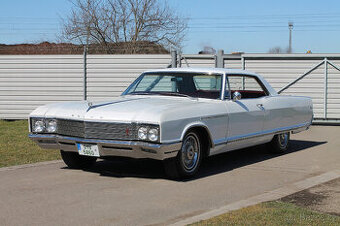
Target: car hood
point(147, 109)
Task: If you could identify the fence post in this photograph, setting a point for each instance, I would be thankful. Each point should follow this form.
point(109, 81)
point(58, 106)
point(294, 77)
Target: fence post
point(243, 62)
point(173, 59)
point(85, 74)
point(179, 60)
point(325, 89)
point(219, 61)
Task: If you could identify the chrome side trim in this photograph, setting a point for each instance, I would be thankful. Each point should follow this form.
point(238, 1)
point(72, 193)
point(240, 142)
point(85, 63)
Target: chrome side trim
point(259, 134)
point(214, 116)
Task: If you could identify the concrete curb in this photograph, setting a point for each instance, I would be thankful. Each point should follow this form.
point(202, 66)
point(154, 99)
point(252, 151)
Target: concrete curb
point(268, 196)
point(9, 168)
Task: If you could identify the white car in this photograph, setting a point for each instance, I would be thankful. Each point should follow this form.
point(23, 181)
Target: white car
point(177, 115)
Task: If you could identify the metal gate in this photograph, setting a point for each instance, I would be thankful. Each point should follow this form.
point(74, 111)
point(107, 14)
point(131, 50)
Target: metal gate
point(314, 75)
point(325, 84)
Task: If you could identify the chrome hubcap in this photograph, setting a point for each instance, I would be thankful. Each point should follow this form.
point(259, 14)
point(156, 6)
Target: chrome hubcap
point(283, 139)
point(190, 153)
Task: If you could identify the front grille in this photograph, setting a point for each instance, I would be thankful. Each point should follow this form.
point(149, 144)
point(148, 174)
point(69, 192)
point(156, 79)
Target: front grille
point(71, 128)
point(97, 130)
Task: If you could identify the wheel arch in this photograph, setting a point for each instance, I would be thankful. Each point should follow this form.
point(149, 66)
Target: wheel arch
point(203, 131)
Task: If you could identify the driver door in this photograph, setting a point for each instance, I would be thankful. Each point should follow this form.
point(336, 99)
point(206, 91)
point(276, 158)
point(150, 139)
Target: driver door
point(246, 115)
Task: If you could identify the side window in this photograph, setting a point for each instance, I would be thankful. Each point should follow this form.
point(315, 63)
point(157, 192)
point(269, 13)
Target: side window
point(235, 82)
point(251, 83)
point(248, 86)
point(212, 83)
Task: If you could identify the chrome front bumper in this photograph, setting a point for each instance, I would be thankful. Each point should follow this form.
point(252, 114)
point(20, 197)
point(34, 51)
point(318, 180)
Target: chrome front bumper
point(132, 149)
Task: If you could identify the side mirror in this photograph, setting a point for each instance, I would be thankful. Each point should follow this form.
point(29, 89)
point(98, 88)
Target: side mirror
point(236, 96)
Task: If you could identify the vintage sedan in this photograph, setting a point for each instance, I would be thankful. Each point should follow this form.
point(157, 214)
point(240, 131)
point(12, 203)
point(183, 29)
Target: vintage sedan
point(180, 116)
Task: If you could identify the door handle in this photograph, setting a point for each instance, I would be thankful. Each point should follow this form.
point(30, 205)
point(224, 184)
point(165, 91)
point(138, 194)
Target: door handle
point(260, 106)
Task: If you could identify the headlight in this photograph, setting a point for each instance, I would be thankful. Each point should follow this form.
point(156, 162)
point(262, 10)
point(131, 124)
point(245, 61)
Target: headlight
point(142, 133)
point(51, 126)
point(43, 125)
point(153, 135)
point(38, 126)
point(148, 132)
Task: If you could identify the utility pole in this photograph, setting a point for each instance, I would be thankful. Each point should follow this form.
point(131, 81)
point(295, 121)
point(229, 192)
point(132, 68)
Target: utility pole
point(290, 27)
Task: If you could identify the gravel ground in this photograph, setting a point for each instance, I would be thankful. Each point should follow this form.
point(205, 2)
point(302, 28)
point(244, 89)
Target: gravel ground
point(323, 198)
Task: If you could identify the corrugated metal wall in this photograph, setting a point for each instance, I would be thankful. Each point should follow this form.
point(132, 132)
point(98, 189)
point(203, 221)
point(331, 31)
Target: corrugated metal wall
point(209, 61)
point(109, 75)
point(333, 92)
point(279, 71)
point(29, 81)
point(197, 61)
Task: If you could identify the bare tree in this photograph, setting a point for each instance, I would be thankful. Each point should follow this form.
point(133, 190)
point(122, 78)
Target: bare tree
point(130, 21)
point(276, 49)
point(207, 50)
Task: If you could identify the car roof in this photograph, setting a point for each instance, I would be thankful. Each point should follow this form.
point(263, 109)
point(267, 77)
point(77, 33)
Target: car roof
point(218, 71)
point(205, 70)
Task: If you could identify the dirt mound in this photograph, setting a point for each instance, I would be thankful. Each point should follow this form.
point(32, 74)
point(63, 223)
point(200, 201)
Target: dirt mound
point(143, 47)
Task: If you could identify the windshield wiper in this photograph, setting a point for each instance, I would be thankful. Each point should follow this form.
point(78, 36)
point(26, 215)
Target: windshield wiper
point(175, 94)
point(143, 93)
point(161, 93)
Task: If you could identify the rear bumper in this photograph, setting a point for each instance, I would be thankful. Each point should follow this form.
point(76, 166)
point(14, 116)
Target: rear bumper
point(132, 149)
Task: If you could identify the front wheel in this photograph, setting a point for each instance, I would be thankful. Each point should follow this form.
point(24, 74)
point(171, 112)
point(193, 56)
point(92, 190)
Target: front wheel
point(75, 161)
point(279, 143)
point(188, 159)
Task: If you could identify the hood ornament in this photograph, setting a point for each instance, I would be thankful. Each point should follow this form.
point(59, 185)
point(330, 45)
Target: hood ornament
point(90, 104)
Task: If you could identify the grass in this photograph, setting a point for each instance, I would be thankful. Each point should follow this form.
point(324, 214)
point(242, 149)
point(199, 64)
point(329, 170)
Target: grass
point(16, 148)
point(273, 213)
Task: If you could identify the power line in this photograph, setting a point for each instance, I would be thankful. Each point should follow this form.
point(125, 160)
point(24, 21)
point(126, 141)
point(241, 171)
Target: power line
point(190, 27)
point(275, 23)
point(254, 31)
point(32, 23)
point(30, 18)
point(265, 22)
point(245, 17)
point(263, 26)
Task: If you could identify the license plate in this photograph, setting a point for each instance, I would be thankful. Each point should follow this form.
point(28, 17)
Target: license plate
point(88, 150)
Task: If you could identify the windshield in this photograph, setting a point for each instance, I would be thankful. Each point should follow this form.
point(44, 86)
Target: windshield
point(177, 84)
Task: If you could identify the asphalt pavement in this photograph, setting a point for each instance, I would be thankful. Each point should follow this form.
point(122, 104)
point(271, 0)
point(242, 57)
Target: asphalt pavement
point(136, 192)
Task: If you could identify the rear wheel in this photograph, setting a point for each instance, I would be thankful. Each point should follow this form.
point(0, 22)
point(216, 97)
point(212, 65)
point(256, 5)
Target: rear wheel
point(75, 161)
point(188, 159)
point(280, 143)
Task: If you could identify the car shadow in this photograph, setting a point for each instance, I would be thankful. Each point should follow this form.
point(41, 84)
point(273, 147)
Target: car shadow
point(152, 169)
point(236, 159)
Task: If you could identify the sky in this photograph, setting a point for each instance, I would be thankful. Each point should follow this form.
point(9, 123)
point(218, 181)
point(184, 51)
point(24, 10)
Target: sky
point(234, 26)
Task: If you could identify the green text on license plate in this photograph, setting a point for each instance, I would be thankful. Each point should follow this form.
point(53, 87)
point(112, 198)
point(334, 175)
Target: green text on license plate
point(88, 150)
